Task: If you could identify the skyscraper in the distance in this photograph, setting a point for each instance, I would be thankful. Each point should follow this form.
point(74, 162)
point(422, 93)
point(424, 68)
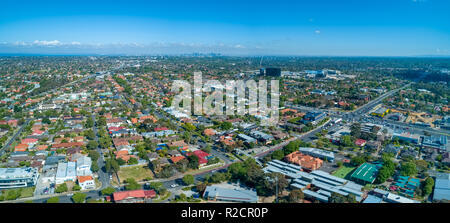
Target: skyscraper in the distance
point(272, 71)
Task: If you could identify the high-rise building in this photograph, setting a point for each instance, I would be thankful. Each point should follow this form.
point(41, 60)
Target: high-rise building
point(274, 72)
point(262, 71)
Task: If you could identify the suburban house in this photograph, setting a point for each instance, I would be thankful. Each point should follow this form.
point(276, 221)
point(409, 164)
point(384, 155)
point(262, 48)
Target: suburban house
point(132, 196)
point(86, 182)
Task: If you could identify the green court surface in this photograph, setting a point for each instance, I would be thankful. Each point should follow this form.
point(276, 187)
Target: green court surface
point(343, 171)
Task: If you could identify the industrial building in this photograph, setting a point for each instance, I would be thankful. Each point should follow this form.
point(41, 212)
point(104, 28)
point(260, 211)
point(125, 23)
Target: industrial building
point(18, 177)
point(442, 187)
point(230, 195)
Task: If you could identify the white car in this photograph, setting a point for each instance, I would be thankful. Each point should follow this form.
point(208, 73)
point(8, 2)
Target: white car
point(174, 185)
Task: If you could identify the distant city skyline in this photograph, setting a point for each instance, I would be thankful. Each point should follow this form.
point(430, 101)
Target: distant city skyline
point(294, 28)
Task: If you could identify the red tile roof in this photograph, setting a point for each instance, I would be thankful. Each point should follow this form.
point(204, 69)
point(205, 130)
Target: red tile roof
point(82, 179)
point(122, 195)
point(68, 144)
point(161, 129)
point(177, 159)
point(29, 140)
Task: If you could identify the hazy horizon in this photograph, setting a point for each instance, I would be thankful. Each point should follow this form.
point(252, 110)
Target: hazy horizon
point(237, 28)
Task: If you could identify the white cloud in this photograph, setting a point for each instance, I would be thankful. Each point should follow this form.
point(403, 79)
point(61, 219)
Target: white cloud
point(47, 43)
point(317, 32)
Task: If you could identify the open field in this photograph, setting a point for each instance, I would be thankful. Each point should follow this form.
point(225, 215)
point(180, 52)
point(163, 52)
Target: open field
point(139, 173)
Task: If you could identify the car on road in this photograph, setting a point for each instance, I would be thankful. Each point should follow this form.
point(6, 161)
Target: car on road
point(174, 185)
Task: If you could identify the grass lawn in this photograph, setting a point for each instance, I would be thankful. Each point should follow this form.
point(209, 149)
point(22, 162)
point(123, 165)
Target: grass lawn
point(343, 172)
point(167, 195)
point(139, 173)
point(27, 192)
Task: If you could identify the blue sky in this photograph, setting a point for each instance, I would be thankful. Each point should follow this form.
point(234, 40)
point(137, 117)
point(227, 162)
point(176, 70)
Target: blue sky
point(320, 27)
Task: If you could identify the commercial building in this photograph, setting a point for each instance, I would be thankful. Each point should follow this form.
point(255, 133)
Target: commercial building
point(436, 142)
point(230, 195)
point(66, 172)
point(366, 173)
point(18, 177)
point(84, 164)
point(261, 136)
point(406, 137)
point(319, 153)
point(313, 117)
point(442, 187)
point(380, 112)
point(247, 139)
point(273, 72)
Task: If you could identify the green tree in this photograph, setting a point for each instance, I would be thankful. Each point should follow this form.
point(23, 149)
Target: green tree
point(428, 186)
point(295, 196)
point(226, 125)
point(277, 155)
point(108, 191)
point(94, 167)
point(132, 184)
point(193, 162)
point(188, 179)
point(357, 160)
point(111, 165)
point(76, 188)
point(133, 161)
point(79, 197)
point(189, 127)
point(92, 145)
point(61, 188)
point(347, 141)
point(94, 155)
point(89, 123)
point(408, 169)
